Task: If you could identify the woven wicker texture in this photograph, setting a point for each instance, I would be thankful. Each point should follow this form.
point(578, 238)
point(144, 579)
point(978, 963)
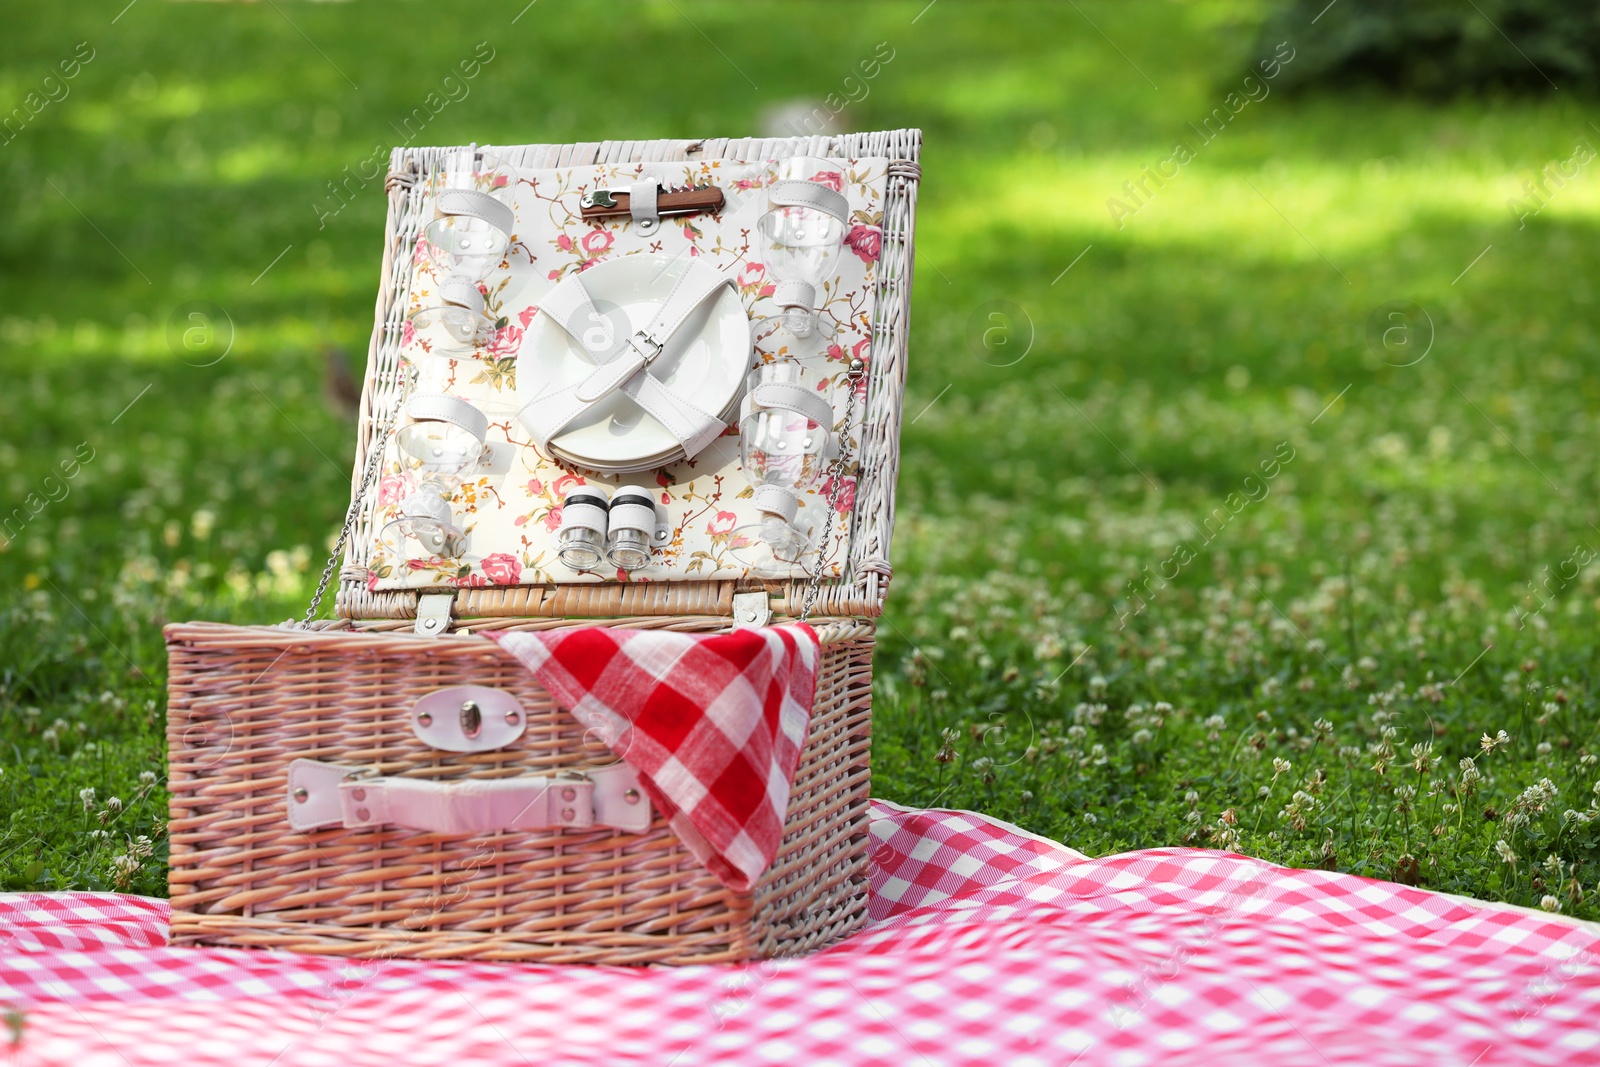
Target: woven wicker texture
point(245, 701)
point(860, 591)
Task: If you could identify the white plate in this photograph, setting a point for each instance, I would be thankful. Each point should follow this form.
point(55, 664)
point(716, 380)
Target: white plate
point(704, 362)
point(729, 415)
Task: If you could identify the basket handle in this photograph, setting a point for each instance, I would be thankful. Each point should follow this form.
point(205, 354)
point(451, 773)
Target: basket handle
point(330, 794)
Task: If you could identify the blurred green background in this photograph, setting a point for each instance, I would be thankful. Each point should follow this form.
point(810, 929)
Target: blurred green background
point(1387, 300)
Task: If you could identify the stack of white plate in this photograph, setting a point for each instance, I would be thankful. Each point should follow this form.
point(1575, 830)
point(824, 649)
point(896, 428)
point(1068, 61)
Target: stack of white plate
point(704, 362)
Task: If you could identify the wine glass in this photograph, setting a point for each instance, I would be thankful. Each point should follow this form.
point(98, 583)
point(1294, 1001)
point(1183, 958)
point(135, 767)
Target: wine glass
point(473, 220)
point(801, 237)
point(785, 442)
point(441, 443)
point(454, 319)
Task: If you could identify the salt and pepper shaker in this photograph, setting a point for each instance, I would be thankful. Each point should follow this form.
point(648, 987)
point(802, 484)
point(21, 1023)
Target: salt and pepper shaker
point(581, 543)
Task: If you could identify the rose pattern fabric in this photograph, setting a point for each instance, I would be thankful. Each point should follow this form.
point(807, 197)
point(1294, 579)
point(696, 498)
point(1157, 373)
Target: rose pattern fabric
point(865, 241)
point(511, 512)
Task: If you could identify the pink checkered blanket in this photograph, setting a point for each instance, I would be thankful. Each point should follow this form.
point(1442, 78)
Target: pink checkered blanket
point(987, 946)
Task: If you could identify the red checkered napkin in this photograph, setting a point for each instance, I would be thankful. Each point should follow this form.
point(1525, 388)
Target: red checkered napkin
point(713, 723)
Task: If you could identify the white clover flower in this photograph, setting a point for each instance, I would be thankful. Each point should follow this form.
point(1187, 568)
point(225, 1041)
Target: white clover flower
point(1504, 851)
point(1142, 736)
point(1215, 722)
point(1422, 757)
point(1191, 798)
point(1543, 748)
point(1549, 903)
point(1280, 766)
point(87, 796)
point(147, 777)
point(1089, 817)
point(1193, 817)
point(113, 804)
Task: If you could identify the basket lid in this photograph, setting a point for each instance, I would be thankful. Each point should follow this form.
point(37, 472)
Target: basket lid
point(505, 565)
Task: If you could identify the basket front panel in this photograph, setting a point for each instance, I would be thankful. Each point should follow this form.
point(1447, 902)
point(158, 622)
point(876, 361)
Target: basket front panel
point(245, 702)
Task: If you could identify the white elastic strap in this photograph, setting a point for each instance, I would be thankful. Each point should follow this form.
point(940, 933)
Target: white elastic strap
point(794, 293)
point(694, 427)
point(568, 305)
point(457, 291)
point(640, 517)
point(473, 204)
point(776, 500)
point(796, 193)
point(585, 517)
point(437, 407)
point(786, 396)
point(642, 201)
point(425, 504)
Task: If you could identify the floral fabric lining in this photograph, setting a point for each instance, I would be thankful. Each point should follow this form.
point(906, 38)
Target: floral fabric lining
point(512, 508)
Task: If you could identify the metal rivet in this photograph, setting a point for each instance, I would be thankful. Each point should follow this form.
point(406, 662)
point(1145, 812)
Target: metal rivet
point(425, 719)
point(363, 814)
point(301, 795)
point(359, 794)
point(567, 814)
point(511, 717)
point(471, 720)
point(569, 793)
point(631, 796)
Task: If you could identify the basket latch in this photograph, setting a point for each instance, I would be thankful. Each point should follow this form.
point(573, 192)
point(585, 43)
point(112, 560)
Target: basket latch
point(433, 614)
point(468, 718)
point(750, 610)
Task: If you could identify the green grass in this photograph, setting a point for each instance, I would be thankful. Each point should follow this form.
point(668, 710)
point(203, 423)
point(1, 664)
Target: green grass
point(1363, 604)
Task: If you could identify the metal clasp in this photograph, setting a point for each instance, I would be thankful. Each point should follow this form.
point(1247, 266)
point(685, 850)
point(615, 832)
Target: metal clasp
point(471, 720)
point(601, 198)
point(641, 340)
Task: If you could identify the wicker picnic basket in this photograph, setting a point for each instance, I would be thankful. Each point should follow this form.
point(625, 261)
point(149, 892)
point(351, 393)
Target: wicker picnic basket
point(246, 702)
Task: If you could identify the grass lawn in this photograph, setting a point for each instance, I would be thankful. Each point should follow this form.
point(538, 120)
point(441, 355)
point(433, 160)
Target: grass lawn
point(1200, 555)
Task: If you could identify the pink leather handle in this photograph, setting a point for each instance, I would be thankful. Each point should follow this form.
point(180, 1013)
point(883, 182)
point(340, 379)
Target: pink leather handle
point(327, 794)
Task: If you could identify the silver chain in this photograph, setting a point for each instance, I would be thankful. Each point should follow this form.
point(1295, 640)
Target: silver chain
point(814, 579)
point(375, 460)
